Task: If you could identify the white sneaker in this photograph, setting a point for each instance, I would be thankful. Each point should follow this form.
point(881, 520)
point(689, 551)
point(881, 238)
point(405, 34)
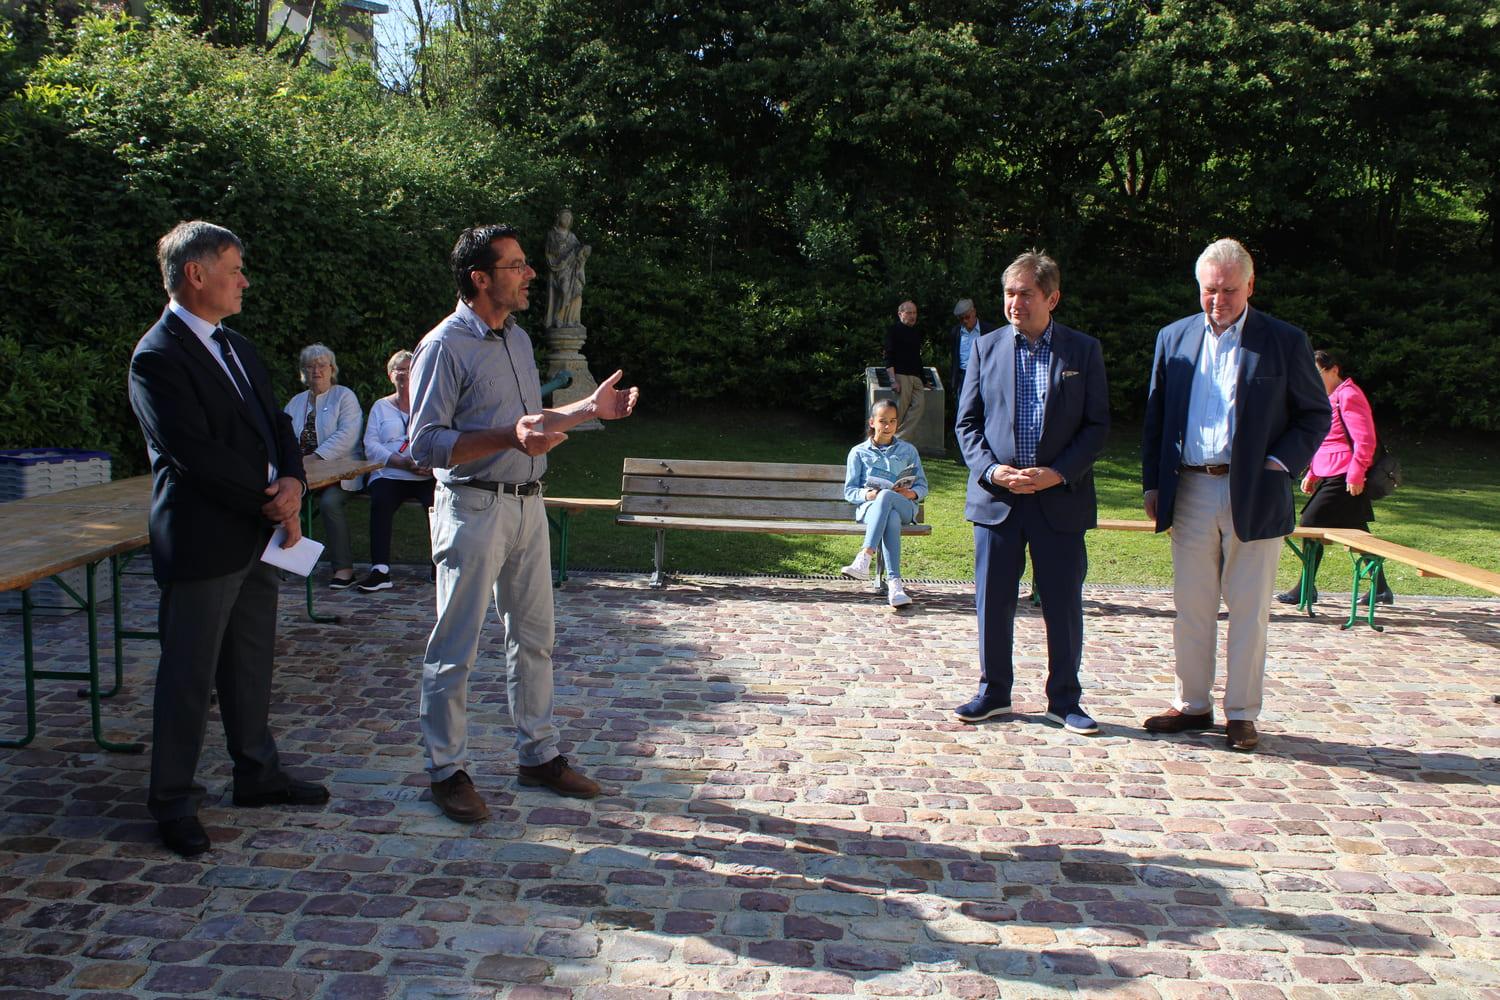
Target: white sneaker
point(895, 593)
point(859, 569)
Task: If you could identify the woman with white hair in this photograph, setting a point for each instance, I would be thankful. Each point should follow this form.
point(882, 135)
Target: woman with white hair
point(326, 417)
point(388, 440)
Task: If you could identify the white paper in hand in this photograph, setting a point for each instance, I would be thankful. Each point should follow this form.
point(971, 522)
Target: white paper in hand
point(300, 558)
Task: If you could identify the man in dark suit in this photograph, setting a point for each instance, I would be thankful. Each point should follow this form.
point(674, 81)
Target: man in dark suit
point(1032, 418)
point(968, 329)
point(1236, 409)
point(227, 471)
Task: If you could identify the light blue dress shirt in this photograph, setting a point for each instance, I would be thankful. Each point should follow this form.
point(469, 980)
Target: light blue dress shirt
point(1209, 434)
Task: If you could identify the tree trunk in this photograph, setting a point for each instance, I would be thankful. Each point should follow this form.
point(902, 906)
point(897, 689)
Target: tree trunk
point(307, 35)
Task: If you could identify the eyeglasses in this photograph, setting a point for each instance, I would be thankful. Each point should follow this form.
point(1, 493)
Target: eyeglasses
point(318, 366)
point(523, 266)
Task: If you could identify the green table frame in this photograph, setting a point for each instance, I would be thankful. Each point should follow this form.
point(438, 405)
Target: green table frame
point(89, 603)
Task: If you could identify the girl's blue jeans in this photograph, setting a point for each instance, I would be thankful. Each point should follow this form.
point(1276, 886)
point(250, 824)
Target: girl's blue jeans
point(883, 519)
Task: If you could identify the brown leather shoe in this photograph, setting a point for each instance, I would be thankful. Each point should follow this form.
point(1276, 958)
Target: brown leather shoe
point(558, 776)
point(1241, 734)
point(1179, 722)
point(459, 800)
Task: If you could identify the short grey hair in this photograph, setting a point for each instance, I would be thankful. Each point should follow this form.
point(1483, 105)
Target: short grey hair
point(1226, 253)
point(396, 359)
point(191, 241)
point(1042, 267)
point(313, 352)
point(963, 306)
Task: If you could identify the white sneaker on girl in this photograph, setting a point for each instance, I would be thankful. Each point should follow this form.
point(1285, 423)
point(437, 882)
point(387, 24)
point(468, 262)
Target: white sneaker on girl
point(859, 569)
point(895, 593)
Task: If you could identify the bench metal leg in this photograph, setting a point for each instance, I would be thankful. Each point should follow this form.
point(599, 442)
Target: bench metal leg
point(558, 519)
point(658, 577)
point(30, 668)
point(1307, 557)
point(307, 516)
point(117, 572)
point(1367, 569)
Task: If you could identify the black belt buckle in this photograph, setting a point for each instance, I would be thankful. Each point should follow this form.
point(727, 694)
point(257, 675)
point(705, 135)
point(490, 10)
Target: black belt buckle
point(530, 489)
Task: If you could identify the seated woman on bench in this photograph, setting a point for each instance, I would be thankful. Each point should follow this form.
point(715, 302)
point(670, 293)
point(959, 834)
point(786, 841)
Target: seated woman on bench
point(400, 479)
point(326, 417)
point(885, 478)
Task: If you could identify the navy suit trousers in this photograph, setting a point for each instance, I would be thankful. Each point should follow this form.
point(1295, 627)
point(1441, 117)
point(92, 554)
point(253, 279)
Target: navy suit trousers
point(1059, 564)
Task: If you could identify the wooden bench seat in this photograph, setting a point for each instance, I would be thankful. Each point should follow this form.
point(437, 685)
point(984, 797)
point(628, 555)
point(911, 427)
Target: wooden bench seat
point(1425, 563)
point(766, 498)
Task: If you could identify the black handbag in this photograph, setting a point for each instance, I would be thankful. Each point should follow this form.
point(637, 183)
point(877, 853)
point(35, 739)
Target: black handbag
point(1384, 473)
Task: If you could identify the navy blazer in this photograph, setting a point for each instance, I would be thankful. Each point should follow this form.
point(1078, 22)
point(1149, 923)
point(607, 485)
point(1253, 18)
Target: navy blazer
point(208, 455)
point(1075, 423)
point(1280, 409)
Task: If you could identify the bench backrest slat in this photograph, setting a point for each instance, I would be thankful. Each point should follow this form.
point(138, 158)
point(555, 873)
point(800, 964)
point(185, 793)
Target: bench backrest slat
point(790, 510)
point(765, 491)
point(694, 486)
point(734, 470)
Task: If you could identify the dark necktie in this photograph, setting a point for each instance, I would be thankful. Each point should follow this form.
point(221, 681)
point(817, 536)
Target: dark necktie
point(240, 382)
point(247, 394)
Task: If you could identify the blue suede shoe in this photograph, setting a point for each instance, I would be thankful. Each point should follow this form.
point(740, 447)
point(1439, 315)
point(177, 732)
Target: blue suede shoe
point(981, 707)
point(1075, 722)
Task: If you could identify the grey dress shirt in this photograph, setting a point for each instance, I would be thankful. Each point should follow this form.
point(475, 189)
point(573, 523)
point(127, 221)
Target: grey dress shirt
point(466, 377)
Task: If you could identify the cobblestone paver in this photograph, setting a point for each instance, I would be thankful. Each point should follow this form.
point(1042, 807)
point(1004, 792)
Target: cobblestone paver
point(791, 811)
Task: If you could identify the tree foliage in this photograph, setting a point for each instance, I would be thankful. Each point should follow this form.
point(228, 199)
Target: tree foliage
point(763, 183)
point(348, 203)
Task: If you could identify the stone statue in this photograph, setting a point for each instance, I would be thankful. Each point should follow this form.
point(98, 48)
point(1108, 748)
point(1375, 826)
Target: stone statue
point(566, 257)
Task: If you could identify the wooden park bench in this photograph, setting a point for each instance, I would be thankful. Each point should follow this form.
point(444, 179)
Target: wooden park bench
point(763, 498)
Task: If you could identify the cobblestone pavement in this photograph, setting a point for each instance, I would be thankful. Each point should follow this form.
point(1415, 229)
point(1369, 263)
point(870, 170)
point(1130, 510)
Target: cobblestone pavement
point(791, 810)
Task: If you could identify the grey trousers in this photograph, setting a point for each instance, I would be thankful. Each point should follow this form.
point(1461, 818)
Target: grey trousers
point(488, 547)
point(335, 526)
point(216, 633)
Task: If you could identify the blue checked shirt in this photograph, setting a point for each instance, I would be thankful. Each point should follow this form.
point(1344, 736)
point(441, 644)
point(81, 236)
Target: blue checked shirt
point(1033, 368)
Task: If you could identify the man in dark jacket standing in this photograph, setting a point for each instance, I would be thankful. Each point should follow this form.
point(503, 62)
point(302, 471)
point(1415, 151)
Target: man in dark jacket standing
point(226, 471)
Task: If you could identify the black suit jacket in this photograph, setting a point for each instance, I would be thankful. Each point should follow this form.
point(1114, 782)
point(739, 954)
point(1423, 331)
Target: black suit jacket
point(1281, 409)
point(208, 454)
point(1075, 424)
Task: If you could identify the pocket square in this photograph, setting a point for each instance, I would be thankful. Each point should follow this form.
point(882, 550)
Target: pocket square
point(1069, 374)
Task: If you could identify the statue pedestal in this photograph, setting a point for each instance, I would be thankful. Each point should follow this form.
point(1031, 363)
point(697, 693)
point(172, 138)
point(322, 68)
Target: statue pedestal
point(564, 353)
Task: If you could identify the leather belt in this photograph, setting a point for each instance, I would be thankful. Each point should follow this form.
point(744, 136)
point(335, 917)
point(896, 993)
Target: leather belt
point(509, 489)
point(1207, 470)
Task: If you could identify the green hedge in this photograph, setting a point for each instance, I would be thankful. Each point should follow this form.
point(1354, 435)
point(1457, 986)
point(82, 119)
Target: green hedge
point(348, 202)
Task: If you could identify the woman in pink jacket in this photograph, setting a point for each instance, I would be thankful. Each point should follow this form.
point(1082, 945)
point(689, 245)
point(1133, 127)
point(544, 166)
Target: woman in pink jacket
point(1336, 478)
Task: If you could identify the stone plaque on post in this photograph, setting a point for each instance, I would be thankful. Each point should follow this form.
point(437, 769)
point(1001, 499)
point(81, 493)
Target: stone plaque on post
point(566, 257)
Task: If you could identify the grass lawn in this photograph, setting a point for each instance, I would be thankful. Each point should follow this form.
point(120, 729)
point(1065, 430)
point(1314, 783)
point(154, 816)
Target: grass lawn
point(1450, 505)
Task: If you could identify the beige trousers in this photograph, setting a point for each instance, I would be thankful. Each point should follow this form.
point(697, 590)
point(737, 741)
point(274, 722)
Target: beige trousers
point(910, 398)
point(1209, 562)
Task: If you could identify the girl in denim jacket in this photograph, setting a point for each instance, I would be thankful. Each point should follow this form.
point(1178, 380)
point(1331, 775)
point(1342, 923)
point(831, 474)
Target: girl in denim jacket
point(883, 510)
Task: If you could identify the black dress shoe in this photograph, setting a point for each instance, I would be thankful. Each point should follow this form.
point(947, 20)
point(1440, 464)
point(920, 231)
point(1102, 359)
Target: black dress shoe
point(184, 836)
point(296, 793)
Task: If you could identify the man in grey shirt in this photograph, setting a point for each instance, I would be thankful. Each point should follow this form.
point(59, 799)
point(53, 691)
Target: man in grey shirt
point(477, 421)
